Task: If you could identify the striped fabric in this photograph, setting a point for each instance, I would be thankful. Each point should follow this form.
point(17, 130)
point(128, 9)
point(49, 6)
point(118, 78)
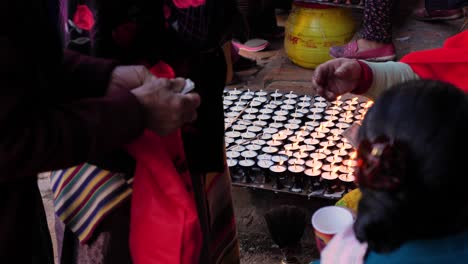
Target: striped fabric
point(84, 195)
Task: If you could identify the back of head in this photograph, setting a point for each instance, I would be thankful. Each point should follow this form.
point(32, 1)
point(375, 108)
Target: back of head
point(426, 123)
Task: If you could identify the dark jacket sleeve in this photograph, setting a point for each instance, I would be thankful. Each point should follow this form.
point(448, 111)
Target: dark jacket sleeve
point(39, 131)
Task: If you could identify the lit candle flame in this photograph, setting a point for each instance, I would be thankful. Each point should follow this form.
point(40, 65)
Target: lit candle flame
point(281, 162)
point(353, 155)
point(369, 104)
point(335, 170)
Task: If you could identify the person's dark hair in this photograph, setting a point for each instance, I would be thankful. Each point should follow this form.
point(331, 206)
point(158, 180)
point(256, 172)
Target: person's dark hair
point(430, 119)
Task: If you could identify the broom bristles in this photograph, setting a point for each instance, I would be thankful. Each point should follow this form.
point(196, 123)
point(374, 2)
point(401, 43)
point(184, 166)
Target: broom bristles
point(286, 225)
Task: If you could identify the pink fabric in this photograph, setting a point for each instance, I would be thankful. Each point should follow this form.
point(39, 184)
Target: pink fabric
point(344, 248)
point(188, 3)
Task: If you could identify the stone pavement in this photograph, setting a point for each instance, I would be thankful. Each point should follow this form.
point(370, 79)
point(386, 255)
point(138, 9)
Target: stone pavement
point(275, 71)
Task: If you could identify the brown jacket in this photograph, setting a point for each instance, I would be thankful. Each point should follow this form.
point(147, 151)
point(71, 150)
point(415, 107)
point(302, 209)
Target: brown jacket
point(53, 114)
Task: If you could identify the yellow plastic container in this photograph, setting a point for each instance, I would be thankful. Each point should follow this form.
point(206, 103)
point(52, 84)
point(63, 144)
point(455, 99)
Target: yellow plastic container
point(312, 29)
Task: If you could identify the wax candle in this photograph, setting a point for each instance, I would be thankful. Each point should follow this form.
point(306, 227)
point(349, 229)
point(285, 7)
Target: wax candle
point(260, 123)
point(296, 161)
point(332, 112)
point(276, 125)
point(255, 103)
point(264, 157)
point(279, 136)
point(336, 131)
point(270, 149)
point(271, 106)
point(276, 95)
point(292, 147)
point(305, 98)
point(233, 134)
point(296, 171)
point(327, 144)
point(318, 156)
point(314, 117)
point(349, 108)
point(265, 166)
point(344, 145)
point(331, 118)
point(248, 135)
point(280, 158)
point(304, 104)
point(287, 107)
point(237, 108)
point(259, 142)
point(231, 98)
point(302, 133)
point(239, 127)
point(277, 103)
point(227, 102)
point(291, 95)
point(271, 130)
point(286, 152)
point(334, 159)
point(346, 120)
point(340, 152)
point(295, 121)
point(320, 104)
point(265, 136)
point(334, 138)
point(238, 148)
point(278, 172)
point(235, 91)
point(251, 110)
point(281, 113)
point(274, 143)
point(303, 111)
point(328, 124)
point(279, 118)
point(300, 155)
point(254, 129)
point(229, 140)
point(253, 147)
point(264, 117)
point(246, 165)
point(232, 154)
point(232, 163)
point(287, 132)
point(322, 129)
point(314, 164)
point(232, 114)
point(249, 117)
point(261, 93)
point(296, 138)
point(317, 135)
point(317, 110)
point(343, 125)
point(348, 180)
point(320, 99)
point(312, 124)
point(307, 148)
point(290, 102)
point(246, 97)
point(297, 115)
point(260, 99)
point(266, 111)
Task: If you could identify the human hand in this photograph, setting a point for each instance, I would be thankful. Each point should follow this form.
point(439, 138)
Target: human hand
point(336, 77)
point(166, 108)
point(126, 78)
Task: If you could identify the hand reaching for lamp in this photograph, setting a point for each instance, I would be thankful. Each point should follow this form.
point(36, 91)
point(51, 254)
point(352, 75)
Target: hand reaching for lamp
point(336, 77)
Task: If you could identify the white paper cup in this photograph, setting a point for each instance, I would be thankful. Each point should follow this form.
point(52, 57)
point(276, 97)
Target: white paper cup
point(328, 221)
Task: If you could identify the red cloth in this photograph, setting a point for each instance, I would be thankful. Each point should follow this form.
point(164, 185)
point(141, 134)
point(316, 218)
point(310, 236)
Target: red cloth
point(448, 64)
point(83, 17)
point(188, 3)
point(164, 223)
